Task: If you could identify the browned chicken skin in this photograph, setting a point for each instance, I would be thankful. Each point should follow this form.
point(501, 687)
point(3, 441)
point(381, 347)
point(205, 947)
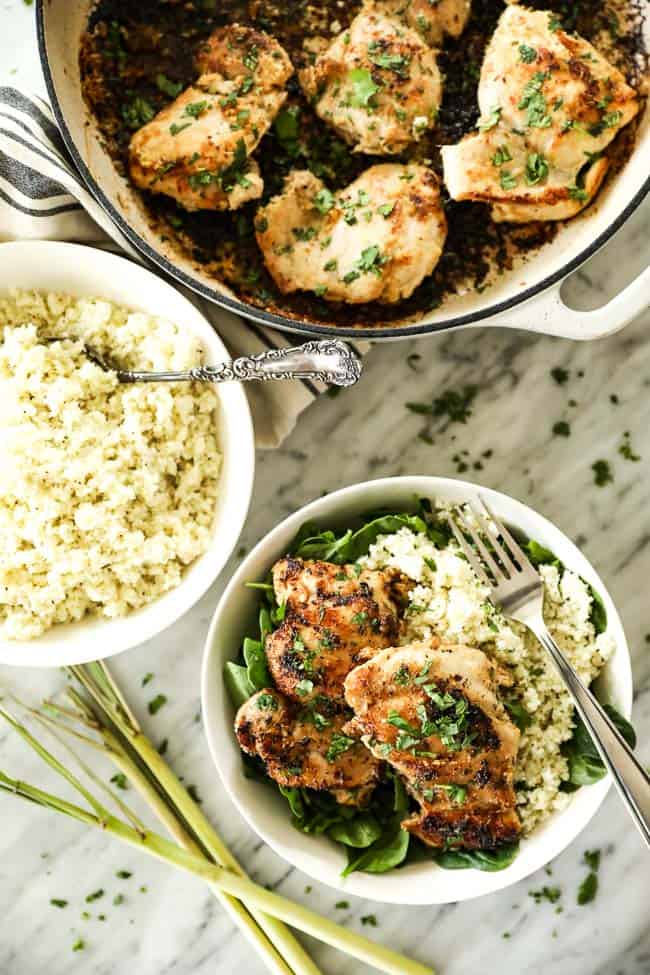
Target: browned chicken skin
point(550, 106)
point(197, 149)
point(431, 710)
point(303, 747)
point(336, 615)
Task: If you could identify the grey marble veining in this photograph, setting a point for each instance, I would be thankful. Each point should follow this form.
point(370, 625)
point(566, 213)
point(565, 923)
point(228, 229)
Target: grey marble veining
point(176, 926)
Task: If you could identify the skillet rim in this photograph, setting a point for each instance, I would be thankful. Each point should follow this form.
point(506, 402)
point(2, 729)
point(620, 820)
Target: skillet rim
point(286, 324)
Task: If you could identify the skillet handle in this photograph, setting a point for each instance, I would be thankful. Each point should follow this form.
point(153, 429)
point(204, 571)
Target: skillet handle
point(548, 313)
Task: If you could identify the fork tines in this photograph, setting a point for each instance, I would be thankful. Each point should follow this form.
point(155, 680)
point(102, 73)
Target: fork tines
point(489, 546)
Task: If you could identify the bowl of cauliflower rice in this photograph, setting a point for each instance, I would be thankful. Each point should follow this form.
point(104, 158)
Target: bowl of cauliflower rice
point(378, 721)
point(119, 503)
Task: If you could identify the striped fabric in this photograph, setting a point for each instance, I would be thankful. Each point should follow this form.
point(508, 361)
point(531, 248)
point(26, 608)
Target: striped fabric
point(42, 197)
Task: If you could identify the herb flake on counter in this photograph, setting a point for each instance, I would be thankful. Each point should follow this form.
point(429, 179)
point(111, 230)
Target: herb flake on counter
point(454, 404)
point(625, 449)
point(146, 679)
point(342, 905)
point(79, 945)
point(193, 793)
point(592, 859)
point(120, 780)
point(602, 473)
point(95, 896)
point(550, 894)
point(154, 706)
point(561, 429)
point(123, 874)
point(560, 375)
point(588, 889)
point(370, 920)
point(57, 902)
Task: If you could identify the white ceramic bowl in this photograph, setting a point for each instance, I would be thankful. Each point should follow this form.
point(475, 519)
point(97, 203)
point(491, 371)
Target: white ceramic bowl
point(86, 271)
point(266, 812)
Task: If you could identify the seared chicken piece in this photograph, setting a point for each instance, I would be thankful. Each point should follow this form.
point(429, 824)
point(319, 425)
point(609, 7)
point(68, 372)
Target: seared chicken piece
point(431, 710)
point(300, 747)
point(374, 241)
point(430, 19)
point(550, 104)
point(335, 616)
point(197, 148)
point(377, 84)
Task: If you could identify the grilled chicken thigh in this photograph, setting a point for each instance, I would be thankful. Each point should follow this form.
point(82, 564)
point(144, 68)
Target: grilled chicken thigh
point(300, 747)
point(335, 616)
point(550, 104)
point(197, 148)
point(374, 241)
point(430, 19)
point(377, 84)
point(431, 710)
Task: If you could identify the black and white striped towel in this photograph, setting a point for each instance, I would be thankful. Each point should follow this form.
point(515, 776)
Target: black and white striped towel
point(42, 197)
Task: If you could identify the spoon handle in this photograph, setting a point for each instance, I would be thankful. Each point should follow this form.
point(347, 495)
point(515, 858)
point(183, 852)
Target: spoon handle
point(327, 361)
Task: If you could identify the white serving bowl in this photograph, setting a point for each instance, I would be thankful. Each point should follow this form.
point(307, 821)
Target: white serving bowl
point(267, 813)
point(86, 271)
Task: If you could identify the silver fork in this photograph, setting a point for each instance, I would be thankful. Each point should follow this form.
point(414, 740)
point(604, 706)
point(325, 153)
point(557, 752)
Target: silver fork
point(517, 589)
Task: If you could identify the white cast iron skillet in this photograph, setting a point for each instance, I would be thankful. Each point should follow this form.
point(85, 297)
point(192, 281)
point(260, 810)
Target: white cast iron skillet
point(526, 298)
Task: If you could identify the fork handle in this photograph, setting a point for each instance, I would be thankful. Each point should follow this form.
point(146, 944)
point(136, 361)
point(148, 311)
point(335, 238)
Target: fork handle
point(632, 781)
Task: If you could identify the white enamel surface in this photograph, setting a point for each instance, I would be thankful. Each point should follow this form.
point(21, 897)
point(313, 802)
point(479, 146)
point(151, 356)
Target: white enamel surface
point(82, 271)
point(266, 812)
point(64, 21)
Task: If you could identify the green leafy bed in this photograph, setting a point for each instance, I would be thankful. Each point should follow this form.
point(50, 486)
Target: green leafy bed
point(373, 838)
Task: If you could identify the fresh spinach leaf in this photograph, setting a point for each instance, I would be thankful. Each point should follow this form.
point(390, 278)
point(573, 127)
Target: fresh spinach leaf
point(539, 555)
point(237, 683)
point(488, 860)
point(351, 545)
point(255, 660)
point(598, 614)
point(360, 832)
point(517, 711)
point(387, 852)
point(585, 764)
point(294, 798)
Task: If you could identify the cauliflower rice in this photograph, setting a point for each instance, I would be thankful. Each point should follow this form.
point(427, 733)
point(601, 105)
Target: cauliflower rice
point(450, 602)
point(108, 491)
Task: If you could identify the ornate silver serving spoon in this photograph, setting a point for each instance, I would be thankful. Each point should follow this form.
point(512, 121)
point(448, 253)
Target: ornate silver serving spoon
point(328, 361)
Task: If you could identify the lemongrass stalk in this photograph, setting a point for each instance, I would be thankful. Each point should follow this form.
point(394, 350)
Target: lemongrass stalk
point(52, 727)
point(264, 947)
point(99, 683)
point(383, 959)
point(65, 773)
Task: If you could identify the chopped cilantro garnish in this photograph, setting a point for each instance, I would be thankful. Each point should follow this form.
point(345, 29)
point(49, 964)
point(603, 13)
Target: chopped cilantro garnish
point(156, 704)
point(536, 168)
point(168, 87)
point(602, 472)
point(491, 121)
point(588, 889)
point(363, 88)
point(339, 744)
point(196, 109)
point(324, 200)
point(501, 156)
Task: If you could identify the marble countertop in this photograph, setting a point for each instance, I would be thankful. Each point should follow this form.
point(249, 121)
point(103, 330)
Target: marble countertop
point(175, 925)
